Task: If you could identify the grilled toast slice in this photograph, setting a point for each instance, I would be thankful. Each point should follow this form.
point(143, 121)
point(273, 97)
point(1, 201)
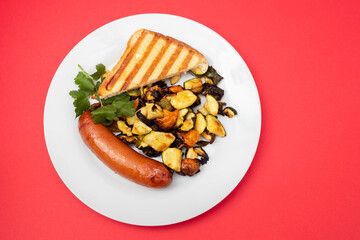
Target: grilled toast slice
point(148, 58)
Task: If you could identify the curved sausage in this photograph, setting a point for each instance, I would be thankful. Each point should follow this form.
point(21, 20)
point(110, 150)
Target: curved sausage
point(121, 158)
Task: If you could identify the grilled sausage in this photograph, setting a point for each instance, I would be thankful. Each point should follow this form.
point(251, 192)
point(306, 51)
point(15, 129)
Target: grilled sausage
point(121, 158)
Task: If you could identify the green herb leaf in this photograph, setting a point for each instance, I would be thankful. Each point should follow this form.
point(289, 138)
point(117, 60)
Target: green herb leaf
point(124, 107)
point(84, 82)
point(104, 114)
point(100, 70)
point(81, 102)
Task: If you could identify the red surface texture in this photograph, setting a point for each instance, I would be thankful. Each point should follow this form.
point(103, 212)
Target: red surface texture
point(304, 182)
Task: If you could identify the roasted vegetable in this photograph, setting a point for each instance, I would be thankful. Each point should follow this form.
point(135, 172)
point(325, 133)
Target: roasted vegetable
point(229, 112)
point(190, 153)
point(159, 141)
point(150, 152)
point(181, 117)
point(175, 79)
point(168, 120)
point(164, 102)
point(125, 129)
point(203, 155)
point(211, 105)
point(131, 120)
point(200, 123)
point(155, 92)
point(208, 136)
point(152, 111)
point(176, 89)
point(214, 126)
point(208, 80)
point(134, 93)
point(213, 75)
point(190, 166)
point(189, 122)
point(183, 99)
point(212, 90)
point(195, 85)
point(140, 128)
point(190, 138)
point(126, 139)
point(171, 157)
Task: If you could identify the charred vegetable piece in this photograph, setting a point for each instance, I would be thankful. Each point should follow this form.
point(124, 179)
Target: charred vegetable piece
point(200, 123)
point(196, 103)
point(209, 136)
point(177, 143)
point(159, 141)
point(155, 92)
point(183, 99)
point(168, 120)
point(214, 126)
point(150, 152)
point(126, 139)
point(175, 79)
point(211, 105)
point(190, 166)
point(213, 75)
point(195, 85)
point(190, 138)
point(164, 102)
point(181, 117)
point(229, 112)
point(203, 143)
point(124, 128)
point(190, 153)
point(189, 122)
point(152, 111)
point(213, 90)
point(204, 157)
point(171, 157)
point(140, 128)
point(176, 89)
point(140, 116)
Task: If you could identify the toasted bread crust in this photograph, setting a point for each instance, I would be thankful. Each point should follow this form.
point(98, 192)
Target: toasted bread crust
point(150, 57)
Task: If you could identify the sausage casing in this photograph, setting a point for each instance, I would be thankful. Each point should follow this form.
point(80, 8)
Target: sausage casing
point(120, 157)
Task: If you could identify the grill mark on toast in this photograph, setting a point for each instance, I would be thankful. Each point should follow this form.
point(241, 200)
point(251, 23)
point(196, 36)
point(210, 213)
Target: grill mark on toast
point(186, 60)
point(126, 61)
point(137, 67)
point(171, 61)
point(155, 62)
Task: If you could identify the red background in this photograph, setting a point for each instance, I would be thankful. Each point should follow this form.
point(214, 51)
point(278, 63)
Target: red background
point(304, 182)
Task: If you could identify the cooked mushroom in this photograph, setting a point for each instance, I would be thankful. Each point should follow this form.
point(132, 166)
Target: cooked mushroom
point(190, 166)
point(229, 112)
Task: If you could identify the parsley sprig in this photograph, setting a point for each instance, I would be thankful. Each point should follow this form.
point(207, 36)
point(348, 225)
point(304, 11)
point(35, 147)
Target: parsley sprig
point(110, 109)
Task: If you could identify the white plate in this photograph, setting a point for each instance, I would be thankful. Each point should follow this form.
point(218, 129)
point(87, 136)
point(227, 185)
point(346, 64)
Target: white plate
point(187, 197)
